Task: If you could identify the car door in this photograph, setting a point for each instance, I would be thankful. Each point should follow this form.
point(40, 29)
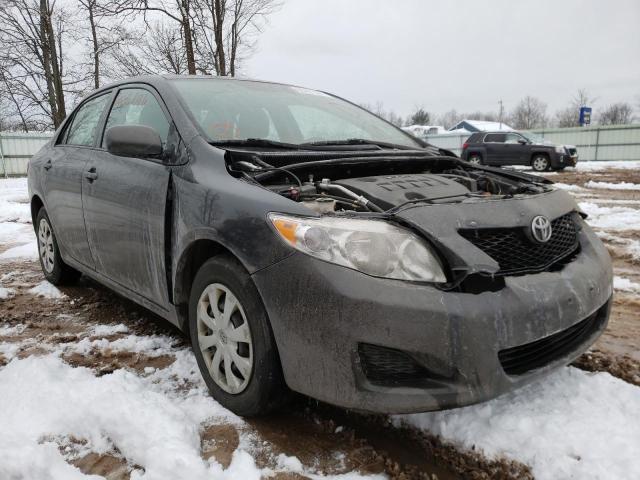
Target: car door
point(494, 144)
point(63, 178)
point(125, 200)
point(515, 147)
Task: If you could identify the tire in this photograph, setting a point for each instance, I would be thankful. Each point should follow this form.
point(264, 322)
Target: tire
point(540, 163)
point(475, 159)
point(252, 383)
point(54, 269)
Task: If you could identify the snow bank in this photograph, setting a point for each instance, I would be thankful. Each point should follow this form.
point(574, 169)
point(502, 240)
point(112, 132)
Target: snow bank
point(611, 218)
point(117, 410)
point(14, 201)
point(568, 187)
point(571, 424)
point(625, 285)
point(46, 290)
point(6, 293)
point(612, 186)
point(27, 251)
point(620, 164)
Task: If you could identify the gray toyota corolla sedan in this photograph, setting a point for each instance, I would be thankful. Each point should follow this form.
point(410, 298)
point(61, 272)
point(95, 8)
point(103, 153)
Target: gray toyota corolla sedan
point(303, 243)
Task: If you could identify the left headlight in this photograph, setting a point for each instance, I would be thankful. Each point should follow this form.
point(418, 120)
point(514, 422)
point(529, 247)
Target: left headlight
point(374, 247)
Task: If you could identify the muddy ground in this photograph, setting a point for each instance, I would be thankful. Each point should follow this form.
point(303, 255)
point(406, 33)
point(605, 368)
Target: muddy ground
point(334, 441)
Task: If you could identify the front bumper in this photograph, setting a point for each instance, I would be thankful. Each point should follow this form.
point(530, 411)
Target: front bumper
point(321, 313)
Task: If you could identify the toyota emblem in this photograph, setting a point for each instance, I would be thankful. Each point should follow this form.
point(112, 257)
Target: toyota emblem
point(541, 229)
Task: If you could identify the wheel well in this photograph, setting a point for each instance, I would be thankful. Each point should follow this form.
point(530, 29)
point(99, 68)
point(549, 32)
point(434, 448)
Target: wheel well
point(535, 154)
point(192, 258)
point(36, 205)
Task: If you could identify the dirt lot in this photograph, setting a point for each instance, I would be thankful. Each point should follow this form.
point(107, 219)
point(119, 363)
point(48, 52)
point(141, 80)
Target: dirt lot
point(91, 327)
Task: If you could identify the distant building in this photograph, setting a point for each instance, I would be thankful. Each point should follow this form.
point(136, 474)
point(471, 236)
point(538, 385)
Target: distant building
point(479, 126)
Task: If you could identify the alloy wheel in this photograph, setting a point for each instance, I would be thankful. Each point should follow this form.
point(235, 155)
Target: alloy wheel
point(540, 164)
point(45, 245)
point(224, 338)
point(475, 160)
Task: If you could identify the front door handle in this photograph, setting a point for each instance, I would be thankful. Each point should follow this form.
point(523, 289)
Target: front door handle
point(48, 165)
point(91, 174)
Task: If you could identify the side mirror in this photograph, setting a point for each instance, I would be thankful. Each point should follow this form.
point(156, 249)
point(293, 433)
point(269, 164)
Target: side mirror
point(522, 141)
point(133, 141)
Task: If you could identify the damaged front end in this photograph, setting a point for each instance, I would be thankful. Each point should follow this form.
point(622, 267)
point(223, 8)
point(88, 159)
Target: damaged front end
point(415, 216)
point(462, 282)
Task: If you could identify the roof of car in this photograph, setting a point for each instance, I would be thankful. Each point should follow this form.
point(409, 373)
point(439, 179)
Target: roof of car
point(154, 79)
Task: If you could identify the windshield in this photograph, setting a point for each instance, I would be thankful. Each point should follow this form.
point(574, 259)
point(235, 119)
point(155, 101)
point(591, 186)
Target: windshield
point(238, 110)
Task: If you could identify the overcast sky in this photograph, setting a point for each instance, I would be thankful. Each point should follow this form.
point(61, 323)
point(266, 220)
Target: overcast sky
point(460, 54)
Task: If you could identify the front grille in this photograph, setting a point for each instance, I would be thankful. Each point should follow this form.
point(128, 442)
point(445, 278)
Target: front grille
point(387, 367)
point(517, 254)
point(527, 357)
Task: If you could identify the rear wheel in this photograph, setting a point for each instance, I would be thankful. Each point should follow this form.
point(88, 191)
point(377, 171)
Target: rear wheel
point(55, 270)
point(475, 159)
point(540, 163)
point(232, 339)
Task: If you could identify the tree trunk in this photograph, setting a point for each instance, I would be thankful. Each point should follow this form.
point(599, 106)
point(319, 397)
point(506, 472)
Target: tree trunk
point(185, 10)
point(46, 60)
point(94, 37)
point(218, 33)
point(52, 67)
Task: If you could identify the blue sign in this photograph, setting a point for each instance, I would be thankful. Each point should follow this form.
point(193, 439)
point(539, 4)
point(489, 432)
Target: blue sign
point(585, 116)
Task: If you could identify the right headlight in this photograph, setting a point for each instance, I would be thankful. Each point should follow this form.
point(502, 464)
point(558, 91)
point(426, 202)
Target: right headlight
point(374, 247)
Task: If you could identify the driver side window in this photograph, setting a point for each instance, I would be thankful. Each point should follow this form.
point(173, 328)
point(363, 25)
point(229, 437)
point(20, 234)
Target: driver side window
point(513, 138)
point(137, 106)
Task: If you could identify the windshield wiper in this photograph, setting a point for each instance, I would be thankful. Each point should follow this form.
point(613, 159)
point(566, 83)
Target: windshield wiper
point(359, 141)
point(255, 142)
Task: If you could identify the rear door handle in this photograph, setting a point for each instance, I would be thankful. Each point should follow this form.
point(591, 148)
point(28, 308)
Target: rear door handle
point(48, 165)
point(91, 174)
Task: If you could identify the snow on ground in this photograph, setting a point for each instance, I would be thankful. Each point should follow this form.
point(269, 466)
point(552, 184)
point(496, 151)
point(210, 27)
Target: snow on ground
point(625, 285)
point(46, 290)
point(15, 220)
point(612, 186)
point(571, 424)
point(597, 166)
point(5, 293)
point(611, 218)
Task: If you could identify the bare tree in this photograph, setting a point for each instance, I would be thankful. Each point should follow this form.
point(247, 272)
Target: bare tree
point(158, 50)
point(529, 113)
point(449, 119)
point(103, 32)
point(619, 113)
point(227, 29)
point(178, 11)
point(31, 58)
point(570, 116)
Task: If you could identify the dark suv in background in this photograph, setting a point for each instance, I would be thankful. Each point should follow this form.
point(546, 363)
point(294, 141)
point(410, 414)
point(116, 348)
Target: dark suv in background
point(515, 148)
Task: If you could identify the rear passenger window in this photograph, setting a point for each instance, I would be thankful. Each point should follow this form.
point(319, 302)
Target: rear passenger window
point(495, 138)
point(84, 127)
point(136, 106)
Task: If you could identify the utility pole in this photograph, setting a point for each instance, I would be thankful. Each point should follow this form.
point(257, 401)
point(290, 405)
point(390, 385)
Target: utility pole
point(500, 112)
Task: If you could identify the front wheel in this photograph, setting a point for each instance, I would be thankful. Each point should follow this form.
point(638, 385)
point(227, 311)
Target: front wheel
point(55, 270)
point(540, 163)
point(232, 340)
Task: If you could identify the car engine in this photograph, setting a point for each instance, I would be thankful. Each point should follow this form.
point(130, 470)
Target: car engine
point(381, 182)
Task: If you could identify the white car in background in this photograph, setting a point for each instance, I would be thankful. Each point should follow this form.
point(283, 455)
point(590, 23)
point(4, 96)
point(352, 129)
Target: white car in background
point(421, 131)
